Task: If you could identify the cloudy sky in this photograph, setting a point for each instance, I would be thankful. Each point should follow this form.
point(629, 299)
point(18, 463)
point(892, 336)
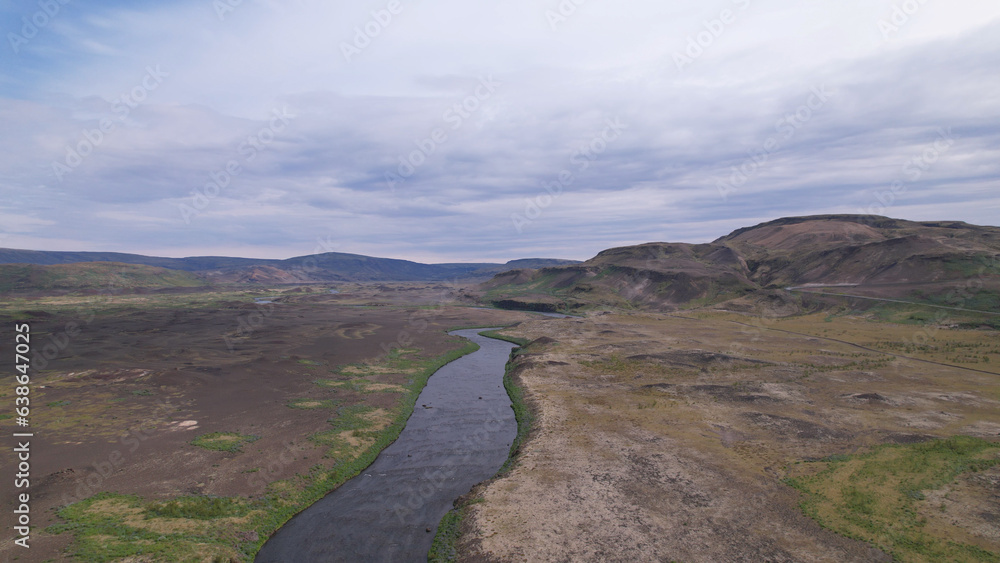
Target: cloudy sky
point(457, 131)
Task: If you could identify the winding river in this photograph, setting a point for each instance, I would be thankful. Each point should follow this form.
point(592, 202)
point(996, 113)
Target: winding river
point(459, 435)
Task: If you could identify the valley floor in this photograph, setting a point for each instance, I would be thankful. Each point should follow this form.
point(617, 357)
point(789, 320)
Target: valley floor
point(685, 437)
point(207, 419)
point(189, 426)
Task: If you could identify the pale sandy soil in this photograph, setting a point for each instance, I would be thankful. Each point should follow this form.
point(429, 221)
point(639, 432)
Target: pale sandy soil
point(675, 450)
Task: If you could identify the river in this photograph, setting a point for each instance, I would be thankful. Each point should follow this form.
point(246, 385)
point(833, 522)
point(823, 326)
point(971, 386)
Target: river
point(459, 435)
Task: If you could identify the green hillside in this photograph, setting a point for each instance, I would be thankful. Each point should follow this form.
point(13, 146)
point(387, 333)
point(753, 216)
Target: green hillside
point(92, 276)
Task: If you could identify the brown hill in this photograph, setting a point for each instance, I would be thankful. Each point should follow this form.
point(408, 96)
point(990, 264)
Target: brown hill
point(796, 236)
point(871, 252)
point(655, 275)
point(852, 249)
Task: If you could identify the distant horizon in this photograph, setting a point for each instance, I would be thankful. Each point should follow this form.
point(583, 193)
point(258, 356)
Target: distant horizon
point(486, 261)
point(290, 257)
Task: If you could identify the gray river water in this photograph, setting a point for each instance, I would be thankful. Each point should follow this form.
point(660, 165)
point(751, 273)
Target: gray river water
point(459, 435)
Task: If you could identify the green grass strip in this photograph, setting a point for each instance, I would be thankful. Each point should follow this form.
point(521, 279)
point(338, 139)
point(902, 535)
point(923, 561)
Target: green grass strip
point(497, 335)
point(879, 497)
point(444, 548)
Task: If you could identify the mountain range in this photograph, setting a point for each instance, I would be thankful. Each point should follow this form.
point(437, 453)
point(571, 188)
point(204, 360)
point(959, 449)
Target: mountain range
point(884, 256)
point(33, 269)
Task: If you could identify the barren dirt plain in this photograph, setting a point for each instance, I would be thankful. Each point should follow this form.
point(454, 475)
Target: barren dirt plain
point(707, 436)
point(190, 424)
point(185, 426)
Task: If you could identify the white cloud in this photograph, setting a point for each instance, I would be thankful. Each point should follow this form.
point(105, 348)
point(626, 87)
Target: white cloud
point(324, 174)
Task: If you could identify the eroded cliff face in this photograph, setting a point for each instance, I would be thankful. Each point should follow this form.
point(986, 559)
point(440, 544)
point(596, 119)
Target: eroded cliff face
point(824, 250)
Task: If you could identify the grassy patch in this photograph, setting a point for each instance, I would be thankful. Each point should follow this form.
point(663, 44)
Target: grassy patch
point(111, 527)
point(500, 336)
point(399, 353)
point(875, 496)
point(522, 414)
point(197, 508)
point(312, 404)
point(352, 428)
point(474, 327)
point(360, 385)
point(443, 550)
point(223, 441)
point(924, 309)
point(971, 266)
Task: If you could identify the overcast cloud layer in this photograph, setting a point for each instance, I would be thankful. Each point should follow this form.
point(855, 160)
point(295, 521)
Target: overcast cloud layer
point(485, 131)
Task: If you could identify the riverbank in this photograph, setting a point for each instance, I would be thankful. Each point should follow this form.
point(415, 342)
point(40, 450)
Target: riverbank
point(662, 437)
point(156, 431)
point(459, 436)
point(89, 520)
point(449, 531)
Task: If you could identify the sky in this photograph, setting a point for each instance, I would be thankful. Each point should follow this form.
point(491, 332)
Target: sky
point(456, 131)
